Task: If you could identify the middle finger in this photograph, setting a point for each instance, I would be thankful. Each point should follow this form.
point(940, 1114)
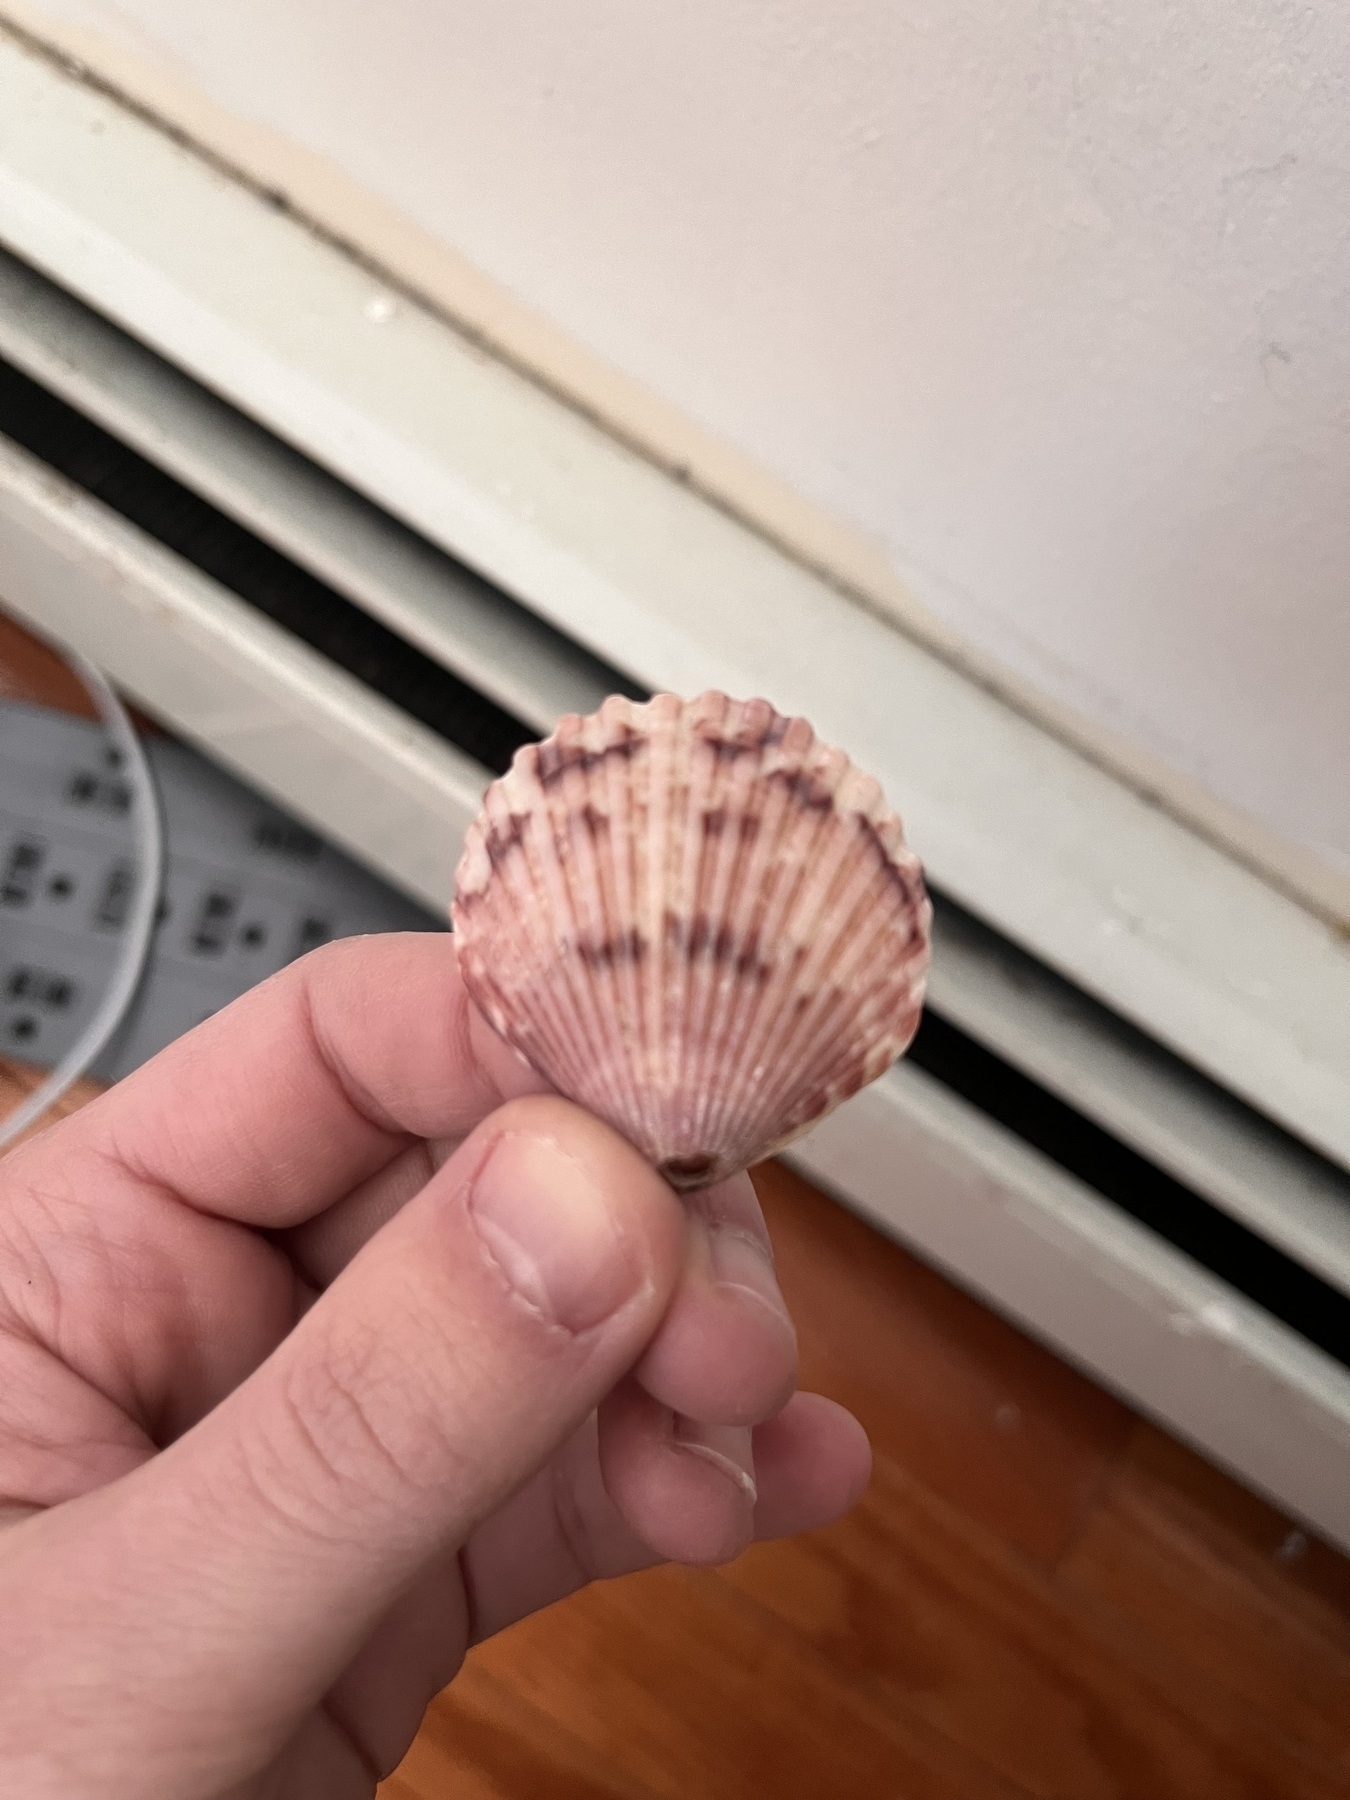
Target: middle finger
point(726, 1351)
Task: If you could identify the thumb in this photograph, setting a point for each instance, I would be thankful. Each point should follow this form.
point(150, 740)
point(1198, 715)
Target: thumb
point(469, 1337)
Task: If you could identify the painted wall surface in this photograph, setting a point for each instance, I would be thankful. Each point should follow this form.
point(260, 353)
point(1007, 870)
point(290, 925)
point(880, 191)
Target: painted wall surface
point(1051, 300)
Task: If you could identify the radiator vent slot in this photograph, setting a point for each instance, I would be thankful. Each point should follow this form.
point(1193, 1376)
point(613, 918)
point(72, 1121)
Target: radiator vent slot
point(290, 595)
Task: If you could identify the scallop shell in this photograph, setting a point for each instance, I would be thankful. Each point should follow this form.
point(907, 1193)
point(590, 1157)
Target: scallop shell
point(697, 921)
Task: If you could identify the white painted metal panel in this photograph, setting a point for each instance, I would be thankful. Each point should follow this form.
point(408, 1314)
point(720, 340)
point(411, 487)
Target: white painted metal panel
point(1117, 1077)
point(1051, 1030)
point(1143, 1095)
point(390, 791)
point(398, 577)
point(1145, 1320)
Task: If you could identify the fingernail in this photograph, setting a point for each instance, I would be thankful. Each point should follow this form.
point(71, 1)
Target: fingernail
point(547, 1225)
point(729, 1448)
point(740, 1262)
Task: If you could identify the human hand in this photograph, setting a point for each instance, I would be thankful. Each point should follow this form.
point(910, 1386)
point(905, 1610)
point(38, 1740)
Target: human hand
point(330, 1343)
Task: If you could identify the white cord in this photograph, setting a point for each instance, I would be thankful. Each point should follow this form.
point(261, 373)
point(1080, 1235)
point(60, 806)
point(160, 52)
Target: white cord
point(140, 926)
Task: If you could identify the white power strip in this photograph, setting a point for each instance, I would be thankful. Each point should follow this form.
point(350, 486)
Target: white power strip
point(246, 890)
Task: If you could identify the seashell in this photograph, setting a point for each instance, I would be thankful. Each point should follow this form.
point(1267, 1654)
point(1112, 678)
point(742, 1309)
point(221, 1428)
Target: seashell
point(697, 921)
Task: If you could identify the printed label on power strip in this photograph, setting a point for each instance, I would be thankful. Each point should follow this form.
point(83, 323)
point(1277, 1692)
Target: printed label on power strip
point(247, 889)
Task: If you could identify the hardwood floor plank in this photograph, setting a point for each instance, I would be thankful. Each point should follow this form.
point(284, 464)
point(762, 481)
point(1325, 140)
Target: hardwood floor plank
point(691, 1690)
point(926, 1613)
point(1239, 1524)
point(17, 1081)
point(483, 1741)
point(1255, 1617)
point(979, 1412)
point(30, 671)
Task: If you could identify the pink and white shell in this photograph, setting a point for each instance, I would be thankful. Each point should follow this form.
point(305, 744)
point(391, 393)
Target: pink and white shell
point(697, 921)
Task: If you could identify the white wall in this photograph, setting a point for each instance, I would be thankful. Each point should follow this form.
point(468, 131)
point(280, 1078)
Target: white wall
point(1049, 300)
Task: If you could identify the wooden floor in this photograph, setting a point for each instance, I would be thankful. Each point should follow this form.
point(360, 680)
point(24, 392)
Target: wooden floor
point(1041, 1595)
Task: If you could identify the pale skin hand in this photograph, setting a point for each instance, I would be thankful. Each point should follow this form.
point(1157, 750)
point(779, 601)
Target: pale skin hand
point(329, 1344)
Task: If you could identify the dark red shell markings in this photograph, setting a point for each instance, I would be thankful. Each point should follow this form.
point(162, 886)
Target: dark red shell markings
point(697, 921)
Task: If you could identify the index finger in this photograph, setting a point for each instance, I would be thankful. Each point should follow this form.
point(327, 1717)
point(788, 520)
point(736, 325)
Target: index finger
point(283, 1101)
